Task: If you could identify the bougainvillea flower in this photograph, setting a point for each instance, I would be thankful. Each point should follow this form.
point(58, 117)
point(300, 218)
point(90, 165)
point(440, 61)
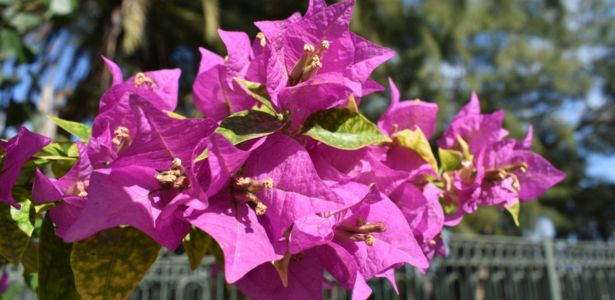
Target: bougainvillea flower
point(373, 231)
point(408, 114)
point(402, 158)
point(515, 173)
point(424, 214)
point(526, 142)
point(493, 170)
point(16, 152)
point(476, 129)
point(223, 162)
point(148, 176)
point(324, 92)
point(305, 279)
point(305, 276)
point(321, 42)
point(159, 87)
point(293, 188)
point(236, 228)
point(216, 94)
point(70, 191)
point(362, 166)
point(4, 282)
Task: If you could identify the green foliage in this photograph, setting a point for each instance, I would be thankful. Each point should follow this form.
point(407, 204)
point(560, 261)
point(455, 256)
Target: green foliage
point(514, 211)
point(197, 244)
point(416, 141)
point(62, 7)
point(55, 275)
point(14, 235)
point(450, 160)
point(257, 91)
point(247, 125)
point(111, 264)
point(343, 129)
point(79, 130)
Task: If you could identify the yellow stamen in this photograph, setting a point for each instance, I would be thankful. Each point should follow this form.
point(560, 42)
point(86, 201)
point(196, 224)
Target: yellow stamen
point(261, 37)
point(259, 207)
point(173, 178)
point(268, 183)
point(81, 187)
point(370, 240)
point(176, 163)
point(141, 79)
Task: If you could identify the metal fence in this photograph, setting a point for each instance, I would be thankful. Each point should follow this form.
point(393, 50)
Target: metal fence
point(477, 267)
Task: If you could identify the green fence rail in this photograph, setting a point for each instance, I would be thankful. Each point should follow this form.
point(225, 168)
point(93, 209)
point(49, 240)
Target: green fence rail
point(477, 267)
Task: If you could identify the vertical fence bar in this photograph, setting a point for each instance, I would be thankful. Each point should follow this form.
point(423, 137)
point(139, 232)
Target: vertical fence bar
point(556, 291)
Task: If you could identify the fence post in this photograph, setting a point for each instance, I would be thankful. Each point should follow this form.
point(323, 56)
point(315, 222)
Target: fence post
point(556, 291)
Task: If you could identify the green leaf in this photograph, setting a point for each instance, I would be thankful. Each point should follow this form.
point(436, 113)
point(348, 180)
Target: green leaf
point(73, 150)
point(13, 240)
point(22, 217)
point(196, 244)
point(448, 206)
point(343, 128)
point(514, 211)
point(416, 141)
point(465, 148)
point(257, 91)
point(247, 125)
point(55, 276)
point(175, 115)
point(61, 7)
point(450, 160)
point(79, 130)
point(24, 21)
point(55, 157)
point(352, 104)
point(29, 258)
point(11, 45)
point(202, 156)
point(54, 149)
point(111, 264)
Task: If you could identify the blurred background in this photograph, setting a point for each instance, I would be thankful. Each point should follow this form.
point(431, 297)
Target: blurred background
point(550, 63)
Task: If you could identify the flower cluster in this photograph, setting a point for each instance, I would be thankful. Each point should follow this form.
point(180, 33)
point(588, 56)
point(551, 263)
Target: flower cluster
point(283, 172)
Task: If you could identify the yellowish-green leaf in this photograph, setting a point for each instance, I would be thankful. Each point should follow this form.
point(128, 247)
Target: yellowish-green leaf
point(79, 130)
point(465, 148)
point(55, 276)
point(415, 140)
point(196, 244)
point(54, 149)
point(448, 206)
point(202, 156)
point(343, 129)
point(13, 240)
point(111, 264)
point(257, 90)
point(247, 125)
point(514, 211)
point(352, 104)
point(73, 150)
point(175, 115)
point(21, 217)
point(55, 157)
point(450, 160)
